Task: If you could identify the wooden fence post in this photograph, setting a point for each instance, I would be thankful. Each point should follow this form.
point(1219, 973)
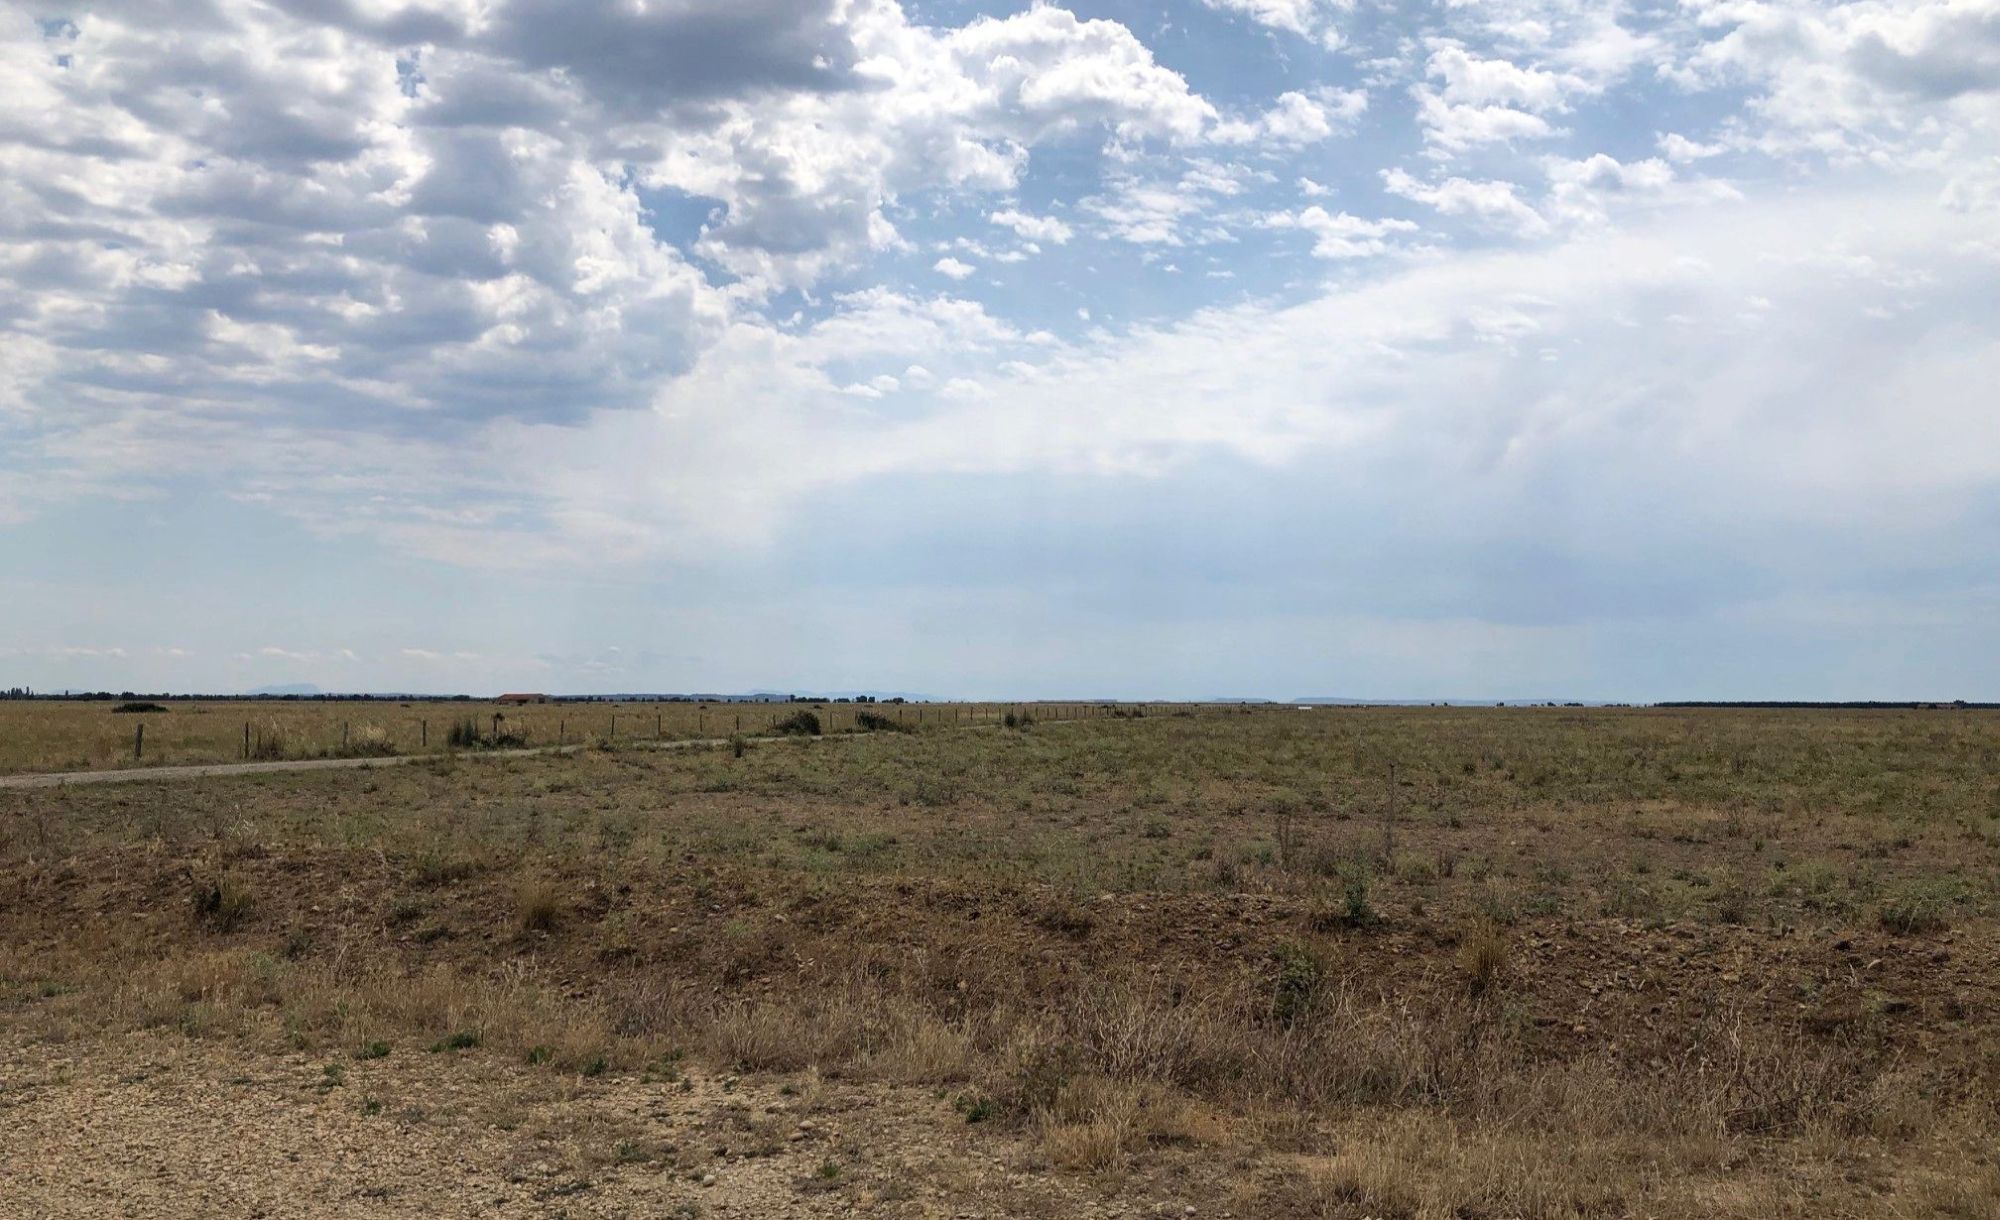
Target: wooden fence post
point(1389, 823)
point(424, 731)
point(246, 739)
point(139, 741)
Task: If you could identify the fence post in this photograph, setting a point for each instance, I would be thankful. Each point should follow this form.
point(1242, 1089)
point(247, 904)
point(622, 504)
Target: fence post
point(424, 729)
point(1389, 823)
point(139, 741)
point(659, 726)
point(343, 737)
point(246, 739)
point(613, 734)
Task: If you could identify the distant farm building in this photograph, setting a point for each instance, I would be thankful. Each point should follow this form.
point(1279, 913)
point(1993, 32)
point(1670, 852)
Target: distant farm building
point(519, 697)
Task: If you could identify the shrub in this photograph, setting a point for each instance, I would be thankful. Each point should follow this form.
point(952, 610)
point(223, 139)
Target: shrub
point(464, 734)
point(1017, 720)
point(1297, 988)
point(1483, 958)
point(139, 706)
point(798, 724)
point(1066, 917)
point(876, 722)
point(1919, 907)
point(1354, 909)
point(221, 904)
point(270, 744)
point(537, 905)
point(370, 741)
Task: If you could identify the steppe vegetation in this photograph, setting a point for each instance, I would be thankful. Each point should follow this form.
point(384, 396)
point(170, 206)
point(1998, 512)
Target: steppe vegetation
point(43, 735)
point(1568, 963)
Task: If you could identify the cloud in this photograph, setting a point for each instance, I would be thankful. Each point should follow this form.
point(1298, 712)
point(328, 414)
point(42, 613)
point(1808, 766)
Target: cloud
point(1338, 235)
point(1586, 191)
point(1472, 80)
point(1296, 119)
point(1034, 228)
point(611, 286)
point(1494, 203)
point(1609, 365)
point(1847, 81)
point(1152, 209)
point(1313, 19)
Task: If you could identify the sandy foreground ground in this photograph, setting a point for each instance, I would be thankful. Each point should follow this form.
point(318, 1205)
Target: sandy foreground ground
point(154, 1125)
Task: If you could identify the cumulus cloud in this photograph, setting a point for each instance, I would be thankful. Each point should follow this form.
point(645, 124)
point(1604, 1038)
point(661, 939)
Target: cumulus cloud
point(1313, 19)
point(1850, 81)
point(1493, 202)
point(579, 286)
point(1035, 228)
point(1613, 354)
point(1296, 119)
point(1338, 235)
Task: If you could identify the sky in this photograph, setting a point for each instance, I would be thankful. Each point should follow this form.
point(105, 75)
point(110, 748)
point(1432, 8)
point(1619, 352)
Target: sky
point(1214, 348)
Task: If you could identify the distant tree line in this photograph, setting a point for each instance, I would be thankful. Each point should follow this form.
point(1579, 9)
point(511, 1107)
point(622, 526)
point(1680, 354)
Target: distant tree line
point(1832, 705)
point(105, 696)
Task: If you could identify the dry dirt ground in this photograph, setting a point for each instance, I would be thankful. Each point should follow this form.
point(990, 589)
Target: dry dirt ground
point(151, 1125)
point(1570, 966)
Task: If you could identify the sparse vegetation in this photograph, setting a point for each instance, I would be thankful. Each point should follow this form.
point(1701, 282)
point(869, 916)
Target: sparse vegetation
point(1576, 986)
point(537, 905)
point(221, 903)
point(798, 724)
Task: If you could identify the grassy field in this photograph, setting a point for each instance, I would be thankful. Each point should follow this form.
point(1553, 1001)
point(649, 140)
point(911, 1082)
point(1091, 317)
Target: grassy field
point(77, 735)
point(1567, 963)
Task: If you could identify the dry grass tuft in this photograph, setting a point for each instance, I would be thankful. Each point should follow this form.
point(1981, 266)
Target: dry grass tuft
point(537, 905)
point(1483, 958)
point(221, 903)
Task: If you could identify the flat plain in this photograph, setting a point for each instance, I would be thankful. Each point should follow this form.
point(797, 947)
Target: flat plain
point(1565, 963)
point(41, 735)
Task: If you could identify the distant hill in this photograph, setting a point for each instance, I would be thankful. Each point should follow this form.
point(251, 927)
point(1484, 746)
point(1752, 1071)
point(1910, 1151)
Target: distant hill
point(1337, 701)
point(296, 688)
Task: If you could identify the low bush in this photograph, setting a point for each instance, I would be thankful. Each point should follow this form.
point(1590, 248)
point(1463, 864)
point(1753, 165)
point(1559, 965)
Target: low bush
point(876, 722)
point(1919, 907)
point(465, 735)
point(798, 724)
point(537, 905)
point(221, 903)
point(1483, 958)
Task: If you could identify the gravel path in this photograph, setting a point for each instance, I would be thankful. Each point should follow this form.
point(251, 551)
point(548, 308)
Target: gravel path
point(57, 779)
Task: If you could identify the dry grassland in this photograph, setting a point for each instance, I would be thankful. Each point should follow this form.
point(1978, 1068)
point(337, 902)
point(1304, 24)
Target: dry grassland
point(76, 735)
point(1599, 963)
